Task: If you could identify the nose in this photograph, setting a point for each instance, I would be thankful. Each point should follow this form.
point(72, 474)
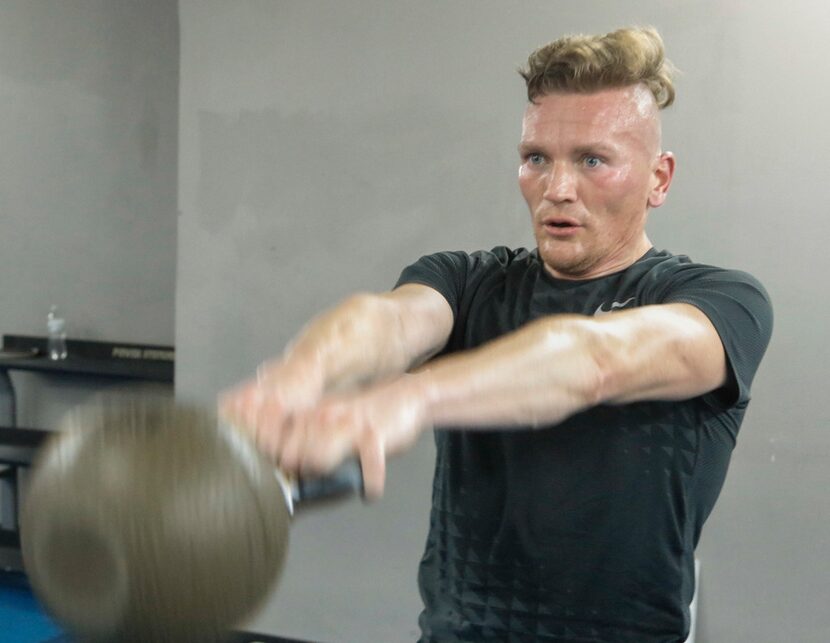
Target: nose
point(560, 183)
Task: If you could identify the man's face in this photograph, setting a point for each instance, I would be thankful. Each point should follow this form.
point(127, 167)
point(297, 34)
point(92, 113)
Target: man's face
point(591, 168)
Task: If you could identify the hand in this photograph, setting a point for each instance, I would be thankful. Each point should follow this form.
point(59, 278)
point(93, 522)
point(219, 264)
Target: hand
point(281, 389)
point(374, 423)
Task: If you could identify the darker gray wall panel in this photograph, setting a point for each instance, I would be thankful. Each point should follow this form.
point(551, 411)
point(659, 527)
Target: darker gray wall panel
point(88, 174)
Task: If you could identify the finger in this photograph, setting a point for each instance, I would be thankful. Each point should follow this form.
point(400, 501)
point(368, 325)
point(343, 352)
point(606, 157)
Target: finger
point(269, 371)
point(329, 439)
point(293, 444)
point(320, 429)
point(271, 427)
point(373, 462)
point(239, 405)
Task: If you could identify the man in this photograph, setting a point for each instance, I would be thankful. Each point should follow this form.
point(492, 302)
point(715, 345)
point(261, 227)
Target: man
point(588, 392)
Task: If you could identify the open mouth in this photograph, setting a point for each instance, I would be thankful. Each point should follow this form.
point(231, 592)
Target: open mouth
point(560, 227)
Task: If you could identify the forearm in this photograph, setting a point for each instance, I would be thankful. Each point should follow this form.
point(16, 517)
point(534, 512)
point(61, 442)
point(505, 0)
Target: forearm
point(366, 338)
point(540, 374)
point(560, 365)
point(353, 342)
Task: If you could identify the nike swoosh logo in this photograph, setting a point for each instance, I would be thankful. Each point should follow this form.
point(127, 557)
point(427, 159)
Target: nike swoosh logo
point(614, 306)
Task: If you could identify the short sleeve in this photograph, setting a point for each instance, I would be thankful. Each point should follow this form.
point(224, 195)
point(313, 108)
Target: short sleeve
point(740, 310)
point(445, 272)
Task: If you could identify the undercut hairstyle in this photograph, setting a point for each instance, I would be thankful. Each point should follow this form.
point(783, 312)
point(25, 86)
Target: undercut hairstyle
point(585, 64)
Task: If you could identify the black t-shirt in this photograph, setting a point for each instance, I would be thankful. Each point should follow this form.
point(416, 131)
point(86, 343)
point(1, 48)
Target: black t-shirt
point(585, 530)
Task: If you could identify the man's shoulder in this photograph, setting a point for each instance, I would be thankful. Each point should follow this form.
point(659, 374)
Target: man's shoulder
point(662, 265)
point(461, 270)
point(662, 277)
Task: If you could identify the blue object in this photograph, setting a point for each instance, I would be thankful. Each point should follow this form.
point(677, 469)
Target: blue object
point(22, 619)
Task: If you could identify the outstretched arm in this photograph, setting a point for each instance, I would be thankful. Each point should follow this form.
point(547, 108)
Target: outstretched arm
point(538, 375)
point(559, 365)
point(366, 338)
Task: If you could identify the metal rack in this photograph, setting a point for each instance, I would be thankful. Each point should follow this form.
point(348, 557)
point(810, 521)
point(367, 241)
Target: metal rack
point(127, 362)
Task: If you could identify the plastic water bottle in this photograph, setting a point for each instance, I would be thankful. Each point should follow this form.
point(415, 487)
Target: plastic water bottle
point(56, 341)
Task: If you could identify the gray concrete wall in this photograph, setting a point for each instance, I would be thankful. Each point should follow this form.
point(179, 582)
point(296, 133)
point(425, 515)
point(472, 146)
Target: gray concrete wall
point(88, 177)
point(326, 144)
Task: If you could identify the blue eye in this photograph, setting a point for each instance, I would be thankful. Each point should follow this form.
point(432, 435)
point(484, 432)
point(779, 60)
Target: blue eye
point(535, 159)
point(592, 161)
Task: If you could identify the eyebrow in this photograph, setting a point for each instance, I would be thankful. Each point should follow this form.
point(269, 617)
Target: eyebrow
point(599, 147)
point(596, 148)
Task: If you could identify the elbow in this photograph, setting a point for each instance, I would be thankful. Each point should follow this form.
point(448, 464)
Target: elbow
point(583, 351)
point(366, 315)
point(611, 359)
point(363, 318)
point(362, 304)
point(599, 376)
point(600, 366)
point(375, 322)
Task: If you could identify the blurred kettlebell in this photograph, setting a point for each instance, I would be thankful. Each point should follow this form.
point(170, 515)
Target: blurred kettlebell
point(146, 521)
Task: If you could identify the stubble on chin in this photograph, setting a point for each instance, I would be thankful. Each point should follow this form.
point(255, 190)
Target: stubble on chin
point(565, 263)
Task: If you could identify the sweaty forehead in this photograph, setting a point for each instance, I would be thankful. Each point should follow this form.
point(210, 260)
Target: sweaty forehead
point(626, 113)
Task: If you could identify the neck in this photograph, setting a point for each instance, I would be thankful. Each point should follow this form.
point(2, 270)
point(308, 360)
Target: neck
point(616, 262)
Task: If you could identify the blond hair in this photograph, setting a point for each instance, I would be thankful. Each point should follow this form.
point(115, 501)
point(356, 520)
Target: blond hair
point(586, 64)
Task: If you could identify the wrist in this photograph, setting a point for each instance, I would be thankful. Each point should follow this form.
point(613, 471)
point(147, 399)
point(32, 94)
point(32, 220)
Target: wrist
point(421, 390)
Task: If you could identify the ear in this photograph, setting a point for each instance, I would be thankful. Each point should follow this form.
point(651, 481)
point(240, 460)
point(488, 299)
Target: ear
point(663, 173)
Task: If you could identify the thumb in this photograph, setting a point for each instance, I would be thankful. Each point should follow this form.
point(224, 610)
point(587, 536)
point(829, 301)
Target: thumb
point(373, 462)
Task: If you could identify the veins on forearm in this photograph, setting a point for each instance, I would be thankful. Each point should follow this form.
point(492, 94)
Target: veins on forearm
point(537, 375)
point(354, 344)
